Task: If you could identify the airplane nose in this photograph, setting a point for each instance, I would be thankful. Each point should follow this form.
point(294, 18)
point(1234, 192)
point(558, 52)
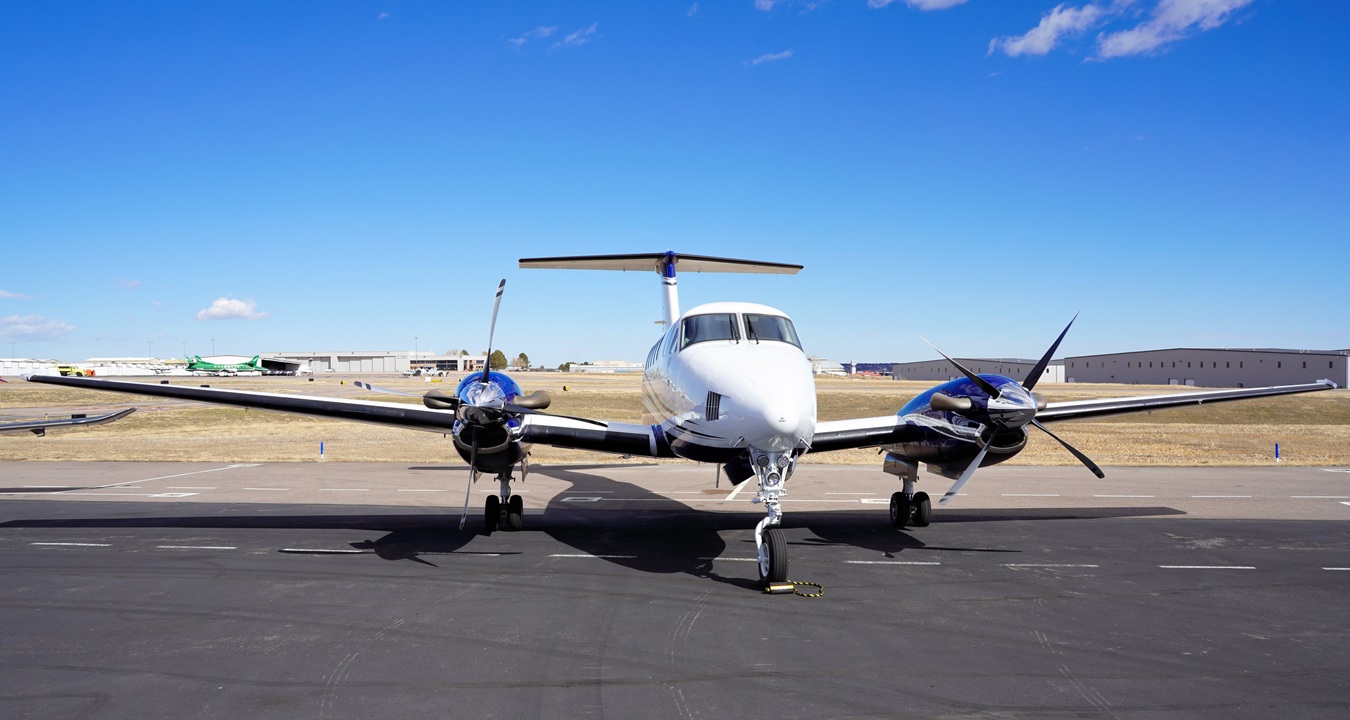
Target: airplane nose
point(783, 418)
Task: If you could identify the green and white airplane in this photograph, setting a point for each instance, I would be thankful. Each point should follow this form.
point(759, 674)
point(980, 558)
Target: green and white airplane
point(244, 368)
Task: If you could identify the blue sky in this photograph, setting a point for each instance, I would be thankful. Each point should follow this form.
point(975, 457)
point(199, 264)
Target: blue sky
point(354, 175)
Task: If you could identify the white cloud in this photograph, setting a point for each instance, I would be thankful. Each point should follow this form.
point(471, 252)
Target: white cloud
point(1172, 20)
point(12, 295)
point(765, 5)
point(32, 328)
point(536, 34)
point(1059, 22)
point(382, 16)
point(230, 309)
point(772, 57)
point(693, 9)
point(128, 284)
point(579, 37)
point(920, 4)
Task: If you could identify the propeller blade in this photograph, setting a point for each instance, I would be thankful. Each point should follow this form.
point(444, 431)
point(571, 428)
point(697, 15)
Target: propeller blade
point(965, 476)
point(984, 385)
point(473, 474)
point(385, 390)
point(1081, 457)
point(1039, 370)
point(492, 328)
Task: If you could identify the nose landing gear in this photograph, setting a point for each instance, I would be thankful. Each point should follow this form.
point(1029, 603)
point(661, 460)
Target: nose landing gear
point(910, 508)
point(772, 469)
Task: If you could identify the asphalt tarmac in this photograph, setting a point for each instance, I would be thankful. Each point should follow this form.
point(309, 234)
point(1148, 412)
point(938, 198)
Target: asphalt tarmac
point(348, 591)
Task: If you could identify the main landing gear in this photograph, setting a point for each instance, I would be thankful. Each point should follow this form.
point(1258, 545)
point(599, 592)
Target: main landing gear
point(772, 470)
point(504, 511)
point(910, 508)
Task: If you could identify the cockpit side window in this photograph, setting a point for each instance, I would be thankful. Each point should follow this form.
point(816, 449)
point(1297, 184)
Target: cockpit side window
point(770, 327)
point(702, 328)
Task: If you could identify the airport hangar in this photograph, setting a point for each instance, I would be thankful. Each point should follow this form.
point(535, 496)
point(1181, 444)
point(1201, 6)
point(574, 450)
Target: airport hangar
point(377, 361)
point(1204, 367)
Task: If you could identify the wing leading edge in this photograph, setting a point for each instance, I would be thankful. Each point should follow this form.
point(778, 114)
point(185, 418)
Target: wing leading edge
point(622, 438)
point(39, 427)
point(894, 429)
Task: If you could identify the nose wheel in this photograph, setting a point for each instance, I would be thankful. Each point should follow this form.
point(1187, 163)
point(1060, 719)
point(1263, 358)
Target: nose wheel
point(773, 557)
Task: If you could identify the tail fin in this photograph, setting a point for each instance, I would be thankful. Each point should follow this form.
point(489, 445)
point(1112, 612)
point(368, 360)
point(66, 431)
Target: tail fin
point(664, 264)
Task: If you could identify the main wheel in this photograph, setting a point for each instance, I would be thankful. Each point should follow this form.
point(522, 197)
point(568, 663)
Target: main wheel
point(515, 509)
point(900, 510)
point(923, 509)
point(773, 558)
point(492, 513)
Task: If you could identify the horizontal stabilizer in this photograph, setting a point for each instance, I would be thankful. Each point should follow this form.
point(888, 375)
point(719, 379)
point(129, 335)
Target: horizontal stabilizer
point(651, 262)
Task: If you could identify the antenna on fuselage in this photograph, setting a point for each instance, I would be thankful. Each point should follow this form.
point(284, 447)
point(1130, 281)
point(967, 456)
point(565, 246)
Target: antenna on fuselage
point(665, 265)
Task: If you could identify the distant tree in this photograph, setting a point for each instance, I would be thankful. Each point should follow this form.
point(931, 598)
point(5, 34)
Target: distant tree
point(566, 367)
point(498, 360)
point(522, 360)
point(463, 352)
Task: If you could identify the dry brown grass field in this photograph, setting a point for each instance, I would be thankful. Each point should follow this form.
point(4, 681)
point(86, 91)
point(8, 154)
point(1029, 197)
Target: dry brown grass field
point(1312, 429)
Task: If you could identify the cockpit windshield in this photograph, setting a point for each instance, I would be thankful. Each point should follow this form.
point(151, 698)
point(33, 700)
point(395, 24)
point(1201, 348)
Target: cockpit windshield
point(701, 328)
point(770, 327)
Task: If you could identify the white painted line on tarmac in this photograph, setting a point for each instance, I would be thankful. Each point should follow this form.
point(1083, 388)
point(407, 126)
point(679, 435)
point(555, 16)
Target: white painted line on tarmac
point(729, 559)
point(1345, 503)
point(173, 495)
point(1320, 497)
point(1219, 496)
point(1207, 567)
point(324, 551)
point(195, 547)
point(1030, 494)
point(167, 477)
point(43, 487)
point(737, 491)
point(1344, 568)
point(589, 556)
point(586, 498)
point(1123, 496)
point(866, 501)
point(71, 544)
point(1047, 565)
point(889, 562)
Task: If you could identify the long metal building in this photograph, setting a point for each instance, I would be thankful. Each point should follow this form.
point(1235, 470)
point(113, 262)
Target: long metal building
point(1211, 367)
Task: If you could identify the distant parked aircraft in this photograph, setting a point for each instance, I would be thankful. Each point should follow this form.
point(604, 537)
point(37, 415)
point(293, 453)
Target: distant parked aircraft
point(252, 367)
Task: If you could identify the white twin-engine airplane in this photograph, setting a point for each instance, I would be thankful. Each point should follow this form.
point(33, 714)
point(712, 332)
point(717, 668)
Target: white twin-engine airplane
point(726, 383)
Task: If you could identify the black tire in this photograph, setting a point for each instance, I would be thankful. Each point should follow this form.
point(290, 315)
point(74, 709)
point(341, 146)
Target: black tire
point(776, 558)
point(900, 510)
point(492, 513)
point(923, 509)
point(515, 511)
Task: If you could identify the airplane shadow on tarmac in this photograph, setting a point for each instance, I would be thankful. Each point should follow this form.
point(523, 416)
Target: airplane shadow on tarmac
point(670, 537)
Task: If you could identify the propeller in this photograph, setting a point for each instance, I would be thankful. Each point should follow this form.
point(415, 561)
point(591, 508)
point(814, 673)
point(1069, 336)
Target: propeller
point(967, 407)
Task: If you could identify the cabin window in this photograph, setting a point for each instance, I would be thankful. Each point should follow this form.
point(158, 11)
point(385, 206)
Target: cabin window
point(770, 327)
point(702, 328)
